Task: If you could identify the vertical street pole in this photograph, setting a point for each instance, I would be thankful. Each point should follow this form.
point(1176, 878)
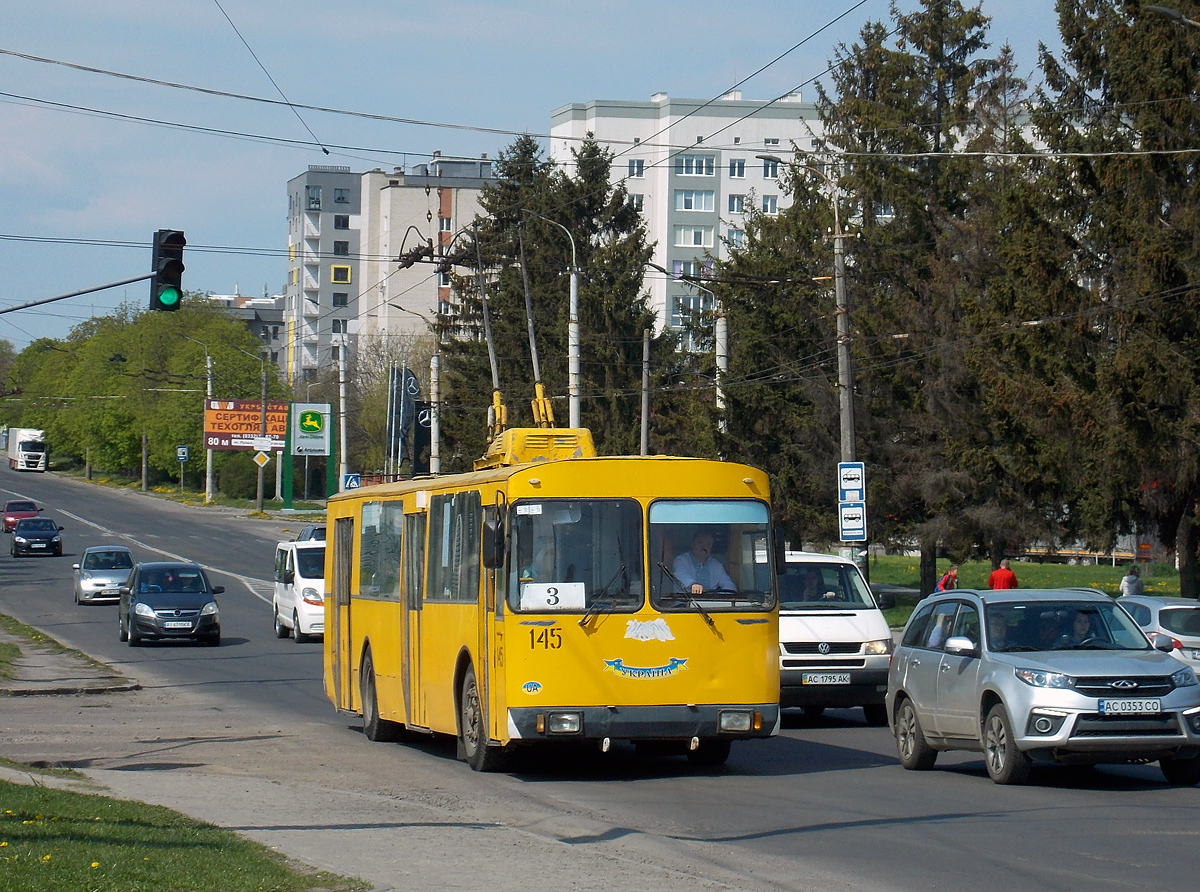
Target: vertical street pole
point(435, 420)
point(845, 371)
point(258, 499)
point(645, 391)
point(573, 345)
point(722, 345)
point(343, 466)
point(209, 487)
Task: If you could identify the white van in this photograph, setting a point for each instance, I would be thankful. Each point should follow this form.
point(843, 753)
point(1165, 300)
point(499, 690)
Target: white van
point(834, 644)
point(299, 600)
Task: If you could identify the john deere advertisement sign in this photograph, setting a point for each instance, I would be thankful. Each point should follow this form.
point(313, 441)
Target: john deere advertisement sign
point(310, 428)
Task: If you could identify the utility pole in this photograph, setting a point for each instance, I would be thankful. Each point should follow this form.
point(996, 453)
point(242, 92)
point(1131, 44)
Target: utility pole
point(344, 466)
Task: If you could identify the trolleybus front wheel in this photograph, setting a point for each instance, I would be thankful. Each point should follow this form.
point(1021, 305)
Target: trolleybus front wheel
point(710, 752)
point(374, 728)
point(473, 728)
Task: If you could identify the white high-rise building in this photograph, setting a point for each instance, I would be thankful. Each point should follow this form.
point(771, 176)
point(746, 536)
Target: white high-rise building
point(690, 167)
point(346, 231)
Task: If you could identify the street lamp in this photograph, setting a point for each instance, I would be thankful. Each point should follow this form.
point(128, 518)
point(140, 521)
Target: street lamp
point(258, 499)
point(720, 337)
point(572, 328)
point(1173, 14)
point(208, 453)
point(845, 370)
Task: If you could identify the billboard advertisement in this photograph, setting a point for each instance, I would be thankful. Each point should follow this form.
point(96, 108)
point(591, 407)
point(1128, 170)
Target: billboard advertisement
point(310, 428)
point(237, 424)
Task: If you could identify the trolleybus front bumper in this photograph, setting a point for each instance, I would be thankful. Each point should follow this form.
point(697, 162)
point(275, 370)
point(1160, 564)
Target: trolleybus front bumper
point(734, 722)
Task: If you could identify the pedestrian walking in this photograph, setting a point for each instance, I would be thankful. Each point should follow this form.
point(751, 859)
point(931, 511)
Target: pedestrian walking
point(1131, 582)
point(950, 580)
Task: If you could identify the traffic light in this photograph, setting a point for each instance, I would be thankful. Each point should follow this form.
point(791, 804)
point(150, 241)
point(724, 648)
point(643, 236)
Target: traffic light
point(166, 285)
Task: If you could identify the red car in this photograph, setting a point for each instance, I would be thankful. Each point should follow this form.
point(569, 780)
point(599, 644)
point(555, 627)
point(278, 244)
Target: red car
point(17, 510)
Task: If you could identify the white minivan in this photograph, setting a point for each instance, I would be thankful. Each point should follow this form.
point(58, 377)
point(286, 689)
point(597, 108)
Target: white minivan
point(299, 600)
point(834, 643)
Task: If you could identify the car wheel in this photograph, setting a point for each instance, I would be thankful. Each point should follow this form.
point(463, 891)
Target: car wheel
point(281, 631)
point(134, 639)
point(473, 728)
point(297, 635)
point(710, 752)
point(875, 714)
point(122, 635)
point(214, 640)
point(1181, 772)
point(914, 750)
point(374, 728)
point(813, 712)
point(76, 599)
point(1005, 763)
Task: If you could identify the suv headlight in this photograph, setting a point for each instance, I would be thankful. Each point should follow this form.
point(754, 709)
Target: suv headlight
point(1039, 678)
point(882, 646)
point(1184, 678)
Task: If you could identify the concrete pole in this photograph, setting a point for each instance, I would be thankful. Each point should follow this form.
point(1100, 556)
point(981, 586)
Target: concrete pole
point(845, 370)
point(722, 345)
point(573, 344)
point(262, 430)
point(435, 421)
point(645, 391)
point(209, 477)
point(344, 467)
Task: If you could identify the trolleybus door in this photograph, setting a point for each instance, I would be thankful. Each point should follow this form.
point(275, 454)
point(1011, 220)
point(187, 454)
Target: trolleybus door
point(343, 687)
point(413, 562)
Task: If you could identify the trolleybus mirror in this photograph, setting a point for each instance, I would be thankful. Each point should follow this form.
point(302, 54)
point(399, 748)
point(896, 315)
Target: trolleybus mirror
point(493, 543)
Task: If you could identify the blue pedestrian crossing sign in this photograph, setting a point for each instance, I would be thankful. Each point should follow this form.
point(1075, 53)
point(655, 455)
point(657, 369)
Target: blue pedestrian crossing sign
point(352, 481)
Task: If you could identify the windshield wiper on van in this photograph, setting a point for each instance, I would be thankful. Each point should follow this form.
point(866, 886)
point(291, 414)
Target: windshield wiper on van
point(685, 592)
point(599, 606)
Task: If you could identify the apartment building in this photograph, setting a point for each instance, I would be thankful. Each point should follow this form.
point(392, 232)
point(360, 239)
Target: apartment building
point(691, 167)
point(345, 233)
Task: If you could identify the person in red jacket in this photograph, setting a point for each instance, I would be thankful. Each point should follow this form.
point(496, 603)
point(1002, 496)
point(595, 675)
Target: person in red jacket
point(1003, 577)
point(950, 580)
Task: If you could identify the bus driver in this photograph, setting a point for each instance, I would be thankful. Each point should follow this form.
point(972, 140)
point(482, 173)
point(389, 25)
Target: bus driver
point(699, 571)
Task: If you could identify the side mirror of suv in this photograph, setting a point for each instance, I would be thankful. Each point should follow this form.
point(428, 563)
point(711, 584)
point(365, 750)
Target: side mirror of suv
point(218, 589)
point(962, 646)
point(1162, 642)
point(886, 600)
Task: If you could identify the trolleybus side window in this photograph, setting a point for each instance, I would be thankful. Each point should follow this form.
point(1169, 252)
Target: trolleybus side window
point(575, 555)
point(454, 546)
point(709, 553)
point(379, 550)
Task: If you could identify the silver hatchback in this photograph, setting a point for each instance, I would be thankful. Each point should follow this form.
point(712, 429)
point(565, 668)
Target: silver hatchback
point(1059, 676)
point(101, 572)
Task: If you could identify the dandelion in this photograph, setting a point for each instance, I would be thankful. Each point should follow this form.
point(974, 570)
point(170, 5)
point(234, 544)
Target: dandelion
point(45, 857)
point(95, 864)
point(3, 844)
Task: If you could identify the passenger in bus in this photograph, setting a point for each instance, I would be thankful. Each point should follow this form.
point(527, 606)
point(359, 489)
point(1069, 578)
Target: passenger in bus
point(698, 571)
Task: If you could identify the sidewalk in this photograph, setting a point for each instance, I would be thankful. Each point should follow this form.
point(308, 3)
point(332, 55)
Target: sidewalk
point(47, 669)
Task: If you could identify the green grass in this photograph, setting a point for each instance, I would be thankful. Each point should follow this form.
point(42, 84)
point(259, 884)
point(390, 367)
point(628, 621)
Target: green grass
point(8, 656)
point(1161, 579)
point(59, 839)
point(9, 651)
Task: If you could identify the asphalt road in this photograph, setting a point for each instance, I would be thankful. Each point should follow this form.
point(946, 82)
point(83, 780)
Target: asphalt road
point(823, 806)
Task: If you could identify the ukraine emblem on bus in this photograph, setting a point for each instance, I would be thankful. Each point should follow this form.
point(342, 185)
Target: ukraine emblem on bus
point(671, 667)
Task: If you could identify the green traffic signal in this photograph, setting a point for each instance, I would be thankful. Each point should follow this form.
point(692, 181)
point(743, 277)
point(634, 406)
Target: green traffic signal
point(166, 283)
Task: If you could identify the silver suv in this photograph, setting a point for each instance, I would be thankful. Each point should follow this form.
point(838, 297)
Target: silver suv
point(1064, 676)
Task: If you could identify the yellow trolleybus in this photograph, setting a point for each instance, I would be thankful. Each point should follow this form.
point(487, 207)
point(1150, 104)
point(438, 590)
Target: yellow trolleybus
point(557, 596)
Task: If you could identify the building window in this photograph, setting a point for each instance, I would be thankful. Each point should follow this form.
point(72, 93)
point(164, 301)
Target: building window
point(443, 224)
point(770, 204)
point(295, 277)
point(737, 168)
point(637, 202)
point(737, 204)
point(735, 237)
point(771, 142)
point(341, 221)
point(443, 280)
point(341, 249)
point(339, 326)
point(312, 198)
point(341, 298)
point(693, 200)
point(692, 268)
point(637, 168)
point(334, 354)
point(341, 196)
point(770, 169)
point(291, 251)
point(444, 308)
point(694, 165)
point(339, 275)
point(687, 310)
point(693, 236)
point(274, 332)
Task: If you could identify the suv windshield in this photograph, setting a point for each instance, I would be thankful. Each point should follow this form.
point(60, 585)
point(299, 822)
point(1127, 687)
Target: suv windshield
point(310, 562)
point(814, 586)
point(710, 555)
point(575, 555)
point(1061, 625)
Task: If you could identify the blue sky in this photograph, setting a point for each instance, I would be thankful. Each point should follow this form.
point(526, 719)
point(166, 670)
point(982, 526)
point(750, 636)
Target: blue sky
point(75, 175)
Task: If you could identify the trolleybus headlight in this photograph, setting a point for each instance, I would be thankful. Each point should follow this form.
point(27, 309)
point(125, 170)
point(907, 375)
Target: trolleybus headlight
point(734, 720)
point(564, 723)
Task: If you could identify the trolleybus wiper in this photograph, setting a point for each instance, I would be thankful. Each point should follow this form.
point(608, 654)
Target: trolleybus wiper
point(598, 605)
point(687, 594)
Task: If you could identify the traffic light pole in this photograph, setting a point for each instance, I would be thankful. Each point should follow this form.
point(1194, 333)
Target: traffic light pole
point(48, 300)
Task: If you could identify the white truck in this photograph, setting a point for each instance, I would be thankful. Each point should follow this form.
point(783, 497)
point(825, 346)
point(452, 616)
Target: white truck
point(27, 450)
